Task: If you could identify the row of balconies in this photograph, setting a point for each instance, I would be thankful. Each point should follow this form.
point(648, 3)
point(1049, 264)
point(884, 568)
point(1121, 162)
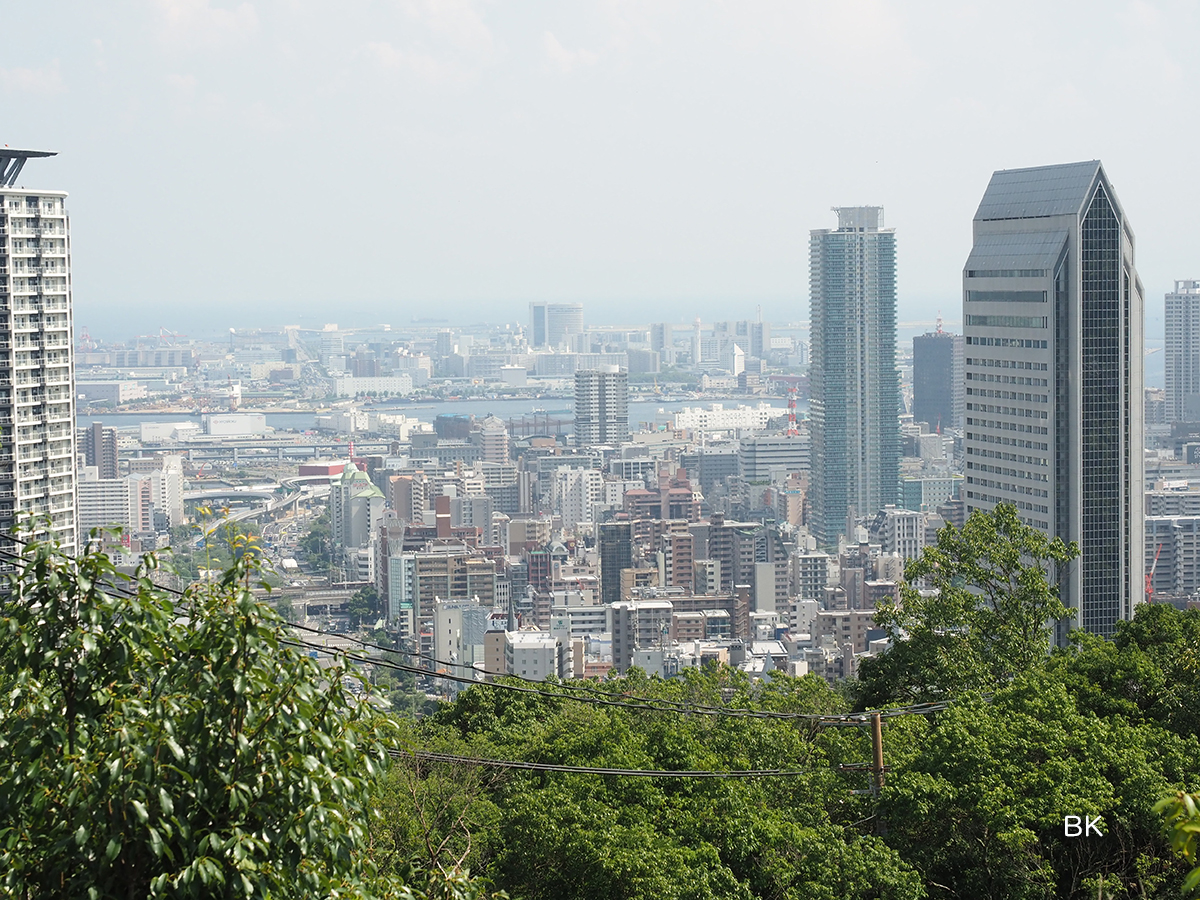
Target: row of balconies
point(51, 248)
point(56, 230)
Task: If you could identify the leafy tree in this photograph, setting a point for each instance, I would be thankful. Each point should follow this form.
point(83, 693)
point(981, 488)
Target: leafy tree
point(364, 606)
point(1182, 815)
point(318, 543)
point(974, 611)
point(156, 749)
point(594, 836)
point(977, 798)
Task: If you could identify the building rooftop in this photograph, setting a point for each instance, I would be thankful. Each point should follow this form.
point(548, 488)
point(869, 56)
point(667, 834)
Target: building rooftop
point(12, 161)
point(1039, 192)
point(1019, 250)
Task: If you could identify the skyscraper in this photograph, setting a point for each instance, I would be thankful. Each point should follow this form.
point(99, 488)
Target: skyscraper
point(938, 395)
point(1183, 352)
point(37, 396)
point(1053, 320)
point(601, 406)
point(615, 546)
point(855, 402)
point(98, 446)
point(552, 324)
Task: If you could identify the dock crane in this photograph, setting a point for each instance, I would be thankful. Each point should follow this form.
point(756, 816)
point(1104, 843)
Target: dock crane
point(1150, 576)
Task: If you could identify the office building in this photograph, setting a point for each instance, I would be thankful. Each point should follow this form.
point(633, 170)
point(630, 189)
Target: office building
point(1053, 321)
point(37, 397)
point(662, 341)
point(855, 403)
point(601, 406)
point(939, 394)
point(1183, 352)
point(552, 324)
point(772, 457)
point(98, 446)
point(615, 544)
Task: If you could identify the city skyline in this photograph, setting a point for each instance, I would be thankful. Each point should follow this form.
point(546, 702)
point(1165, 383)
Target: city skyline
point(554, 153)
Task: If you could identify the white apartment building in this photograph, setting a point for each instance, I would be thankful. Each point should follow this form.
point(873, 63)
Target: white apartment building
point(576, 493)
point(535, 655)
point(393, 385)
point(37, 397)
point(716, 417)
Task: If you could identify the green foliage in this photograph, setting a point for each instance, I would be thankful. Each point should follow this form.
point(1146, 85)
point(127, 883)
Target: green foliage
point(976, 799)
point(974, 611)
point(1181, 813)
point(541, 835)
point(364, 607)
point(156, 750)
point(317, 544)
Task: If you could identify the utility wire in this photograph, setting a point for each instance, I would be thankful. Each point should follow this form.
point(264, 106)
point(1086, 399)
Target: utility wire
point(595, 696)
point(597, 770)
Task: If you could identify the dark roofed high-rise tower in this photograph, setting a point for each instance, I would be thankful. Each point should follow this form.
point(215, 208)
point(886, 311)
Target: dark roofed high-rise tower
point(1052, 312)
point(855, 404)
point(98, 445)
point(938, 379)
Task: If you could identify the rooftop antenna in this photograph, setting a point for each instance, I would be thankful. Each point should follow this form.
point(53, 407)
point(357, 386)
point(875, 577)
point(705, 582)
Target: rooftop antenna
point(939, 322)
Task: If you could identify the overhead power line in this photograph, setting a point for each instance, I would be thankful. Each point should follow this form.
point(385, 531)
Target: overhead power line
point(597, 770)
point(567, 691)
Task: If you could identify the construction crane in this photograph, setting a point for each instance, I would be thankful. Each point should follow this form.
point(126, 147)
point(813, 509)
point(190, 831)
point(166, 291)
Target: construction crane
point(168, 338)
point(1150, 576)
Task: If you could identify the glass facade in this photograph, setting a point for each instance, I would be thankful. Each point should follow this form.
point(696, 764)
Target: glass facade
point(1077, 473)
point(855, 384)
point(1102, 350)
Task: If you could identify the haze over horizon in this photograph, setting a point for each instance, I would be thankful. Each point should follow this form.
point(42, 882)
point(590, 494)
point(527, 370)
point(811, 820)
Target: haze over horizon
point(242, 164)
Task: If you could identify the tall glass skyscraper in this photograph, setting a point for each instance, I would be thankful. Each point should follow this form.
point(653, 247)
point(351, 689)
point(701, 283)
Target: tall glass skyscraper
point(855, 404)
point(1052, 312)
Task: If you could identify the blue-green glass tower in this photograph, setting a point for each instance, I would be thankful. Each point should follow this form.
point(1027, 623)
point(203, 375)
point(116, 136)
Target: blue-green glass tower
point(855, 407)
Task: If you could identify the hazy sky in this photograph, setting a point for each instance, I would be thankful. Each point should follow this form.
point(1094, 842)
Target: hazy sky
point(291, 161)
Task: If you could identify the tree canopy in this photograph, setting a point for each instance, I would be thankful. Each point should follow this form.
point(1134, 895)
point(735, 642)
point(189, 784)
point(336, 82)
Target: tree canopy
point(164, 746)
point(974, 610)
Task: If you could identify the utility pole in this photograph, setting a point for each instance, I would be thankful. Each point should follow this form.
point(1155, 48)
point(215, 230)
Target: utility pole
point(876, 768)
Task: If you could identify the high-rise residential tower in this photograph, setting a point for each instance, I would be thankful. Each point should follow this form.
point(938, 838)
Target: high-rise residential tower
point(98, 447)
point(855, 404)
point(601, 406)
point(37, 396)
point(1052, 310)
point(1183, 352)
point(938, 396)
